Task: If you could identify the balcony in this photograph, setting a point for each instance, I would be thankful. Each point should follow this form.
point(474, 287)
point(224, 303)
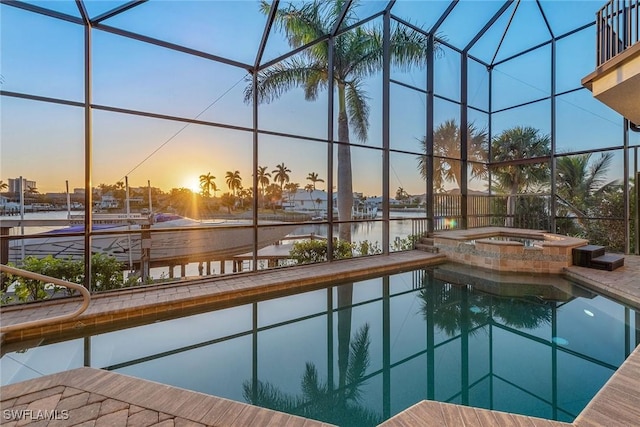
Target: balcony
point(616, 80)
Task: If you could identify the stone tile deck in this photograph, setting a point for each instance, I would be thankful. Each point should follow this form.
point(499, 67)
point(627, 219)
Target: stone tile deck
point(101, 398)
point(92, 397)
point(622, 284)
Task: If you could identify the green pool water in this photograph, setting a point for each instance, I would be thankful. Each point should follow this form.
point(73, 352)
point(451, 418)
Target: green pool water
point(356, 354)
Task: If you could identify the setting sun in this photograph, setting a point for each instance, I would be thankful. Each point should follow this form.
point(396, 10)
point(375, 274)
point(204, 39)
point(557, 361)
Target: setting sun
point(192, 183)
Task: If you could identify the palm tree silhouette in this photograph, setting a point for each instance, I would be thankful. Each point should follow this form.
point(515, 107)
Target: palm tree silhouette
point(234, 181)
point(446, 152)
point(263, 178)
point(292, 189)
point(3, 185)
point(357, 55)
point(313, 177)
point(274, 194)
point(207, 184)
point(281, 174)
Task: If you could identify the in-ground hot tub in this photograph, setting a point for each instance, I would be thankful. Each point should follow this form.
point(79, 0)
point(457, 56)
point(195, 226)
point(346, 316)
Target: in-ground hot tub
point(508, 249)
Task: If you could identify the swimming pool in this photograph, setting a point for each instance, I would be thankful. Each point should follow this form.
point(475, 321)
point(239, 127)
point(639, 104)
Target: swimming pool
point(356, 354)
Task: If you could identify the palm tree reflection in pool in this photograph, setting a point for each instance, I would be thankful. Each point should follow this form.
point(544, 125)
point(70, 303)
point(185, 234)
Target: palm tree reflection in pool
point(457, 308)
point(318, 400)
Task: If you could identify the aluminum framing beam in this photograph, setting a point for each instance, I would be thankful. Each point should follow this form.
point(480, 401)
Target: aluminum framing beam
point(386, 75)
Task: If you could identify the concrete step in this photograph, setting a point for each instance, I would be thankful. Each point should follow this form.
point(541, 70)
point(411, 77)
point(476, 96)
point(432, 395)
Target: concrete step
point(583, 255)
point(427, 248)
point(427, 241)
point(607, 262)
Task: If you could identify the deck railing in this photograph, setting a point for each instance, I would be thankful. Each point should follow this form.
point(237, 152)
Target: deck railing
point(527, 211)
point(86, 299)
point(618, 25)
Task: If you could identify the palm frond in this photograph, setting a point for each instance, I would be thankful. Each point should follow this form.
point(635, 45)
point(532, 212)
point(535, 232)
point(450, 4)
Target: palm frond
point(361, 52)
point(268, 396)
point(312, 388)
point(599, 169)
point(282, 77)
point(317, 80)
point(358, 108)
point(302, 23)
point(408, 48)
point(358, 361)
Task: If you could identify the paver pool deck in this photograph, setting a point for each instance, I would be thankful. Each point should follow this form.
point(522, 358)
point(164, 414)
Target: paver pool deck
point(92, 397)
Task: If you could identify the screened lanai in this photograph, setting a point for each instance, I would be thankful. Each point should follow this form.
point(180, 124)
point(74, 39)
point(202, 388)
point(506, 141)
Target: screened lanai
point(358, 123)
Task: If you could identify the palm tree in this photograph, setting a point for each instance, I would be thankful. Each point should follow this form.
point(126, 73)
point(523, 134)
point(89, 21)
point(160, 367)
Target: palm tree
point(234, 181)
point(207, 184)
point(181, 199)
point(581, 185)
point(446, 152)
point(281, 174)
point(3, 185)
point(292, 189)
point(244, 194)
point(119, 190)
point(313, 177)
point(517, 144)
point(273, 193)
point(228, 200)
point(309, 189)
point(263, 178)
point(578, 183)
point(357, 54)
point(401, 194)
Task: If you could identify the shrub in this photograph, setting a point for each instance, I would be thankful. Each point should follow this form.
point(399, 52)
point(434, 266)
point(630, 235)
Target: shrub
point(311, 251)
point(106, 274)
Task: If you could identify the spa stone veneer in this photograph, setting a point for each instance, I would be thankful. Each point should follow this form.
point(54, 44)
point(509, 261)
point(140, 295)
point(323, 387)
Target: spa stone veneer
point(532, 251)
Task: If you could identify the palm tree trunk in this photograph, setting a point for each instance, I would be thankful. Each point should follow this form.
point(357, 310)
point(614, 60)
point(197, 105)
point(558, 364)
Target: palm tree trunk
point(345, 302)
point(345, 184)
point(511, 205)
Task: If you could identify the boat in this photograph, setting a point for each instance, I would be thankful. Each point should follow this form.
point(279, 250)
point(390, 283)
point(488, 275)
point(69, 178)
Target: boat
point(173, 239)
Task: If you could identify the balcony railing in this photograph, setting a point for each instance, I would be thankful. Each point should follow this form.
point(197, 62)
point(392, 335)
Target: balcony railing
point(618, 28)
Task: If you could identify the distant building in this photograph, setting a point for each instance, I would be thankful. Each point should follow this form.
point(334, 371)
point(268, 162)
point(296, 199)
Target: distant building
point(303, 200)
point(108, 202)
point(14, 185)
point(316, 202)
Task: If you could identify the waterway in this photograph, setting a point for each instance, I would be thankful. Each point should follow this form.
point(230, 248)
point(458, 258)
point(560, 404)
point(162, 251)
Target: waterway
point(372, 231)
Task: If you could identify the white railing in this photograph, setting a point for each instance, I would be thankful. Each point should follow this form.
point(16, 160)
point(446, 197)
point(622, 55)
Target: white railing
point(86, 299)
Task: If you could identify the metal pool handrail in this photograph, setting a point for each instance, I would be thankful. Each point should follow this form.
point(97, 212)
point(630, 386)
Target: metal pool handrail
point(86, 299)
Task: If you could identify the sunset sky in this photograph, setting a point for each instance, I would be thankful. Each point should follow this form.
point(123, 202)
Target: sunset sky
point(42, 56)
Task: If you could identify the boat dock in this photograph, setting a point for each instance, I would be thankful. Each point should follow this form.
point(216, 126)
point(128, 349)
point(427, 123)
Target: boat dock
point(273, 255)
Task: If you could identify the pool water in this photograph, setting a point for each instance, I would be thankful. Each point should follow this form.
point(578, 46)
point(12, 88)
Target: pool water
point(357, 354)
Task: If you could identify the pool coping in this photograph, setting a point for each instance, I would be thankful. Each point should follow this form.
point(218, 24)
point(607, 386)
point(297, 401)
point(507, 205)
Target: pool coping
point(146, 304)
point(617, 402)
